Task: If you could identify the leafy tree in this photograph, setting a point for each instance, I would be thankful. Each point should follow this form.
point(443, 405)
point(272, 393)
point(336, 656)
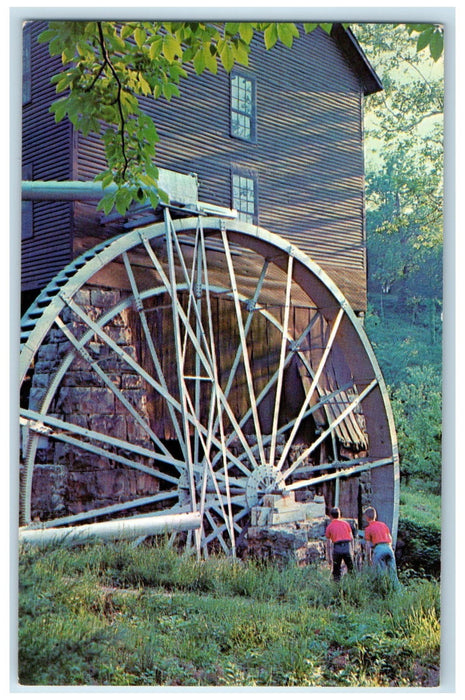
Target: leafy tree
point(404, 192)
point(417, 406)
point(404, 136)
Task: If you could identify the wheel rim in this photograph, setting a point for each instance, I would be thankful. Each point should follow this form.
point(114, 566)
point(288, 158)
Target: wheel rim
point(253, 367)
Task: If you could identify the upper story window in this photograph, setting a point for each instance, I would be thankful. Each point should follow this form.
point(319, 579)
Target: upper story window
point(244, 197)
point(242, 106)
point(26, 64)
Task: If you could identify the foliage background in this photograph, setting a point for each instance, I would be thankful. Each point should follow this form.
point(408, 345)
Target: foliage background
point(404, 193)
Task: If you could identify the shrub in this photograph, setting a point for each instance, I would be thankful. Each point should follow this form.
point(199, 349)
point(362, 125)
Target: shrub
point(419, 548)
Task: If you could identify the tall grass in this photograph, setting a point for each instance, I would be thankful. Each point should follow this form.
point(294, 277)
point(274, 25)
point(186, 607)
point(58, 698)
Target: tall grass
point(118, 615)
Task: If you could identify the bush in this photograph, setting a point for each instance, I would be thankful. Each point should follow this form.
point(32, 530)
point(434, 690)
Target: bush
point(419, 548)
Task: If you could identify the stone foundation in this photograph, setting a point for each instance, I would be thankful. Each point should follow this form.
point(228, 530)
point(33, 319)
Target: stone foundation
point(285, 530)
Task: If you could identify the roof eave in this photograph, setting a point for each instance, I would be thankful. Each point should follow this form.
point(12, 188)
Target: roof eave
point(349, 44)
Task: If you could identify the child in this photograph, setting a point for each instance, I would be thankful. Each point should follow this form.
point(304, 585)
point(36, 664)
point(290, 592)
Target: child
point(377, 534)
point(339, 533)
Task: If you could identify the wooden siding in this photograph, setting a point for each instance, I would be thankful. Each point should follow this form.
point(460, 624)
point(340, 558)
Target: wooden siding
point(47, 148)
point(307, 155)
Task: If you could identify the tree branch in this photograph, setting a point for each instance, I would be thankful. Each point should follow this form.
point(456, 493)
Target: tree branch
point(107, 62)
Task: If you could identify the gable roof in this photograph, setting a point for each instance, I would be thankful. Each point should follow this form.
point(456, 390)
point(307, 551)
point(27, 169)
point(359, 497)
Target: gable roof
point(346, 39)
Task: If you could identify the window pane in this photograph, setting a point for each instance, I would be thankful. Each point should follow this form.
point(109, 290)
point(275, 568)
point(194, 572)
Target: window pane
point(242, 107)
point(243, 189)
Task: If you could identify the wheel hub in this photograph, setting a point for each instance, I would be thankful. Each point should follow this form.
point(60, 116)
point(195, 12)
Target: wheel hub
point(265, 479)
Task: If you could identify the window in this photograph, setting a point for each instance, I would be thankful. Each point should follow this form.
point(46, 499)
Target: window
point(26, 64)
point(242, 107)
point(244, 197)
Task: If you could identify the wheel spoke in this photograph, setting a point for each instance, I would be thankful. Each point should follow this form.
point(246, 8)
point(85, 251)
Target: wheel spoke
point(207, 363)
point(331, 427)
point(221, 528)
point(282, 430)
point(110, 385)
point(217, 532)
point(251, 305)
point(360, 467)
point(36, 421)
point(95, 327)
point(271, 382)
point(243, 341)
point(314, 383)
point(215, 395)
point(117, 507)
point(152, 350)
point(281, 366)
point(154, 383)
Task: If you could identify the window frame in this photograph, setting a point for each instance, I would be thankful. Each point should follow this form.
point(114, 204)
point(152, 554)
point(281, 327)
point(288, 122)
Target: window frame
point(252, 116)
point(26, 65)
point(252, 177)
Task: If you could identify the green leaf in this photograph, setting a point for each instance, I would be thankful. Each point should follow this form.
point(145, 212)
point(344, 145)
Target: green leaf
point(46, 36)
point(310, 26)
point(227, 57)
point(436, 46)
point(270, 36)
point(163, 196)
point(231, 28)
point(140, 36)
point(154, 198)
point(246, 31)
point(286, 33)
point(107, 202)
point(424, 39)
point(55, 47)
point(59, 109)
point(199, 61)
point(418, 27)
point(326, 27)
point(123, 199)
point(155, 47)
point(65, 80)
point(126, 31)
point(106, 178)
point(144, 86)
point(171, 47)
point(169, 90)
point(149, 129)
point(210, 59)
point(68, 54)
point(241, 52)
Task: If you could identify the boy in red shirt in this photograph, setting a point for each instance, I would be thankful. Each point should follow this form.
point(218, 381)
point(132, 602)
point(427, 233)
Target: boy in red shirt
point(340, 534)
point(377, 534)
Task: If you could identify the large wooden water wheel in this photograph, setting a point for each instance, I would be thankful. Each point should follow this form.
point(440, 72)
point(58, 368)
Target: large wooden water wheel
point(195, 365)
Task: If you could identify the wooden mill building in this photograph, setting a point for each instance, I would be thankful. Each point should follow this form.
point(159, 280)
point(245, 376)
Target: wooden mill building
point(224, 332)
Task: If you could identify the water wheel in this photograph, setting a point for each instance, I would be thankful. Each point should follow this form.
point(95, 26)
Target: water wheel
point(197, 364)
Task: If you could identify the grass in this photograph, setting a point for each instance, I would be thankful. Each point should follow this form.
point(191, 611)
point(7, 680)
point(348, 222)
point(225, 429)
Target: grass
point(420, 507)
point(116, 615)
